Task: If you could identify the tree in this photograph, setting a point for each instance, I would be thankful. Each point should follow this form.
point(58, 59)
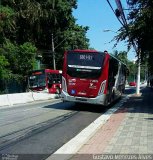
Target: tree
point(37, 20)
point(7, 23)
point(26, 27)
point(122, 56)
point(20, 58)
point(131, 65)
point(132, 71)
point(140, 19)
point(4, 72)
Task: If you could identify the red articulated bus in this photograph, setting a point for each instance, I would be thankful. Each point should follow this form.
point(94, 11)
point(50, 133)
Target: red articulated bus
point(92, 77)
point(46, 80)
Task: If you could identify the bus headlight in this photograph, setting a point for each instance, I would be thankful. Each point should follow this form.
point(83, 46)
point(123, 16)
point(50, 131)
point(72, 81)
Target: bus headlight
point(102, 87)
point(64, 86)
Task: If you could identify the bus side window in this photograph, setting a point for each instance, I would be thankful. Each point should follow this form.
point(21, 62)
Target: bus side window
point(113, 70)
point(53, 79)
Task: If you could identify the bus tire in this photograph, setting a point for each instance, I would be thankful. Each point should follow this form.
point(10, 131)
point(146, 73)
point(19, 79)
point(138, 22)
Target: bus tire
point(112, 97)
point(106, 102)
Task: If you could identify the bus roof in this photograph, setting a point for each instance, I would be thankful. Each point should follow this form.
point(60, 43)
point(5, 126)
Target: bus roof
point(53, 71)
point(46, 71)
point(84, 50)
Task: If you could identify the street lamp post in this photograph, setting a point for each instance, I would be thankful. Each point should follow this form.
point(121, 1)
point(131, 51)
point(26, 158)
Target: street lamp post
point(108, 30)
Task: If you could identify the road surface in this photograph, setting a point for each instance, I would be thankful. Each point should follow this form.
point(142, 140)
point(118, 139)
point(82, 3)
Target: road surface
point(38, 130)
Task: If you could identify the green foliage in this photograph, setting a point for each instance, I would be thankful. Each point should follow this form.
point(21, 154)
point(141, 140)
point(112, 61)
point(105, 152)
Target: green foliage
point(139, 29)
point(28, 51)
point(132, 71)
point(19, 59)
point(122, 56)
point(7, 23)
point(4, 73)
point(26, 27)
point(131, 65)
point(37, 20)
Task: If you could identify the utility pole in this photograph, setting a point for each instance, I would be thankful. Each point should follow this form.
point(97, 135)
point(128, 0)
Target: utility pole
point(54, 47)
point(53, 52)
point(138, 75)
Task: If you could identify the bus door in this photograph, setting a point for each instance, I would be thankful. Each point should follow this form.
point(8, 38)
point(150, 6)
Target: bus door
point(54, 82)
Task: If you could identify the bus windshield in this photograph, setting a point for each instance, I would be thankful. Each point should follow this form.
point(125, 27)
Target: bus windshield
point(85, 65)
point(54, 78)
point(37, 80)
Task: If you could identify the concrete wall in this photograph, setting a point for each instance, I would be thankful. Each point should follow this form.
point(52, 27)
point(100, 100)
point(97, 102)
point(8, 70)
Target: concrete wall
point(21, 98)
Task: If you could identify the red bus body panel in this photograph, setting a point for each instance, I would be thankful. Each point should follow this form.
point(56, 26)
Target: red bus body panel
point(53, 88)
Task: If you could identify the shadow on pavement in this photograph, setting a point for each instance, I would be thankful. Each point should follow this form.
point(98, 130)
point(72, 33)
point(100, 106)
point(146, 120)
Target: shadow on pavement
point(140, 104)
point(81, 107)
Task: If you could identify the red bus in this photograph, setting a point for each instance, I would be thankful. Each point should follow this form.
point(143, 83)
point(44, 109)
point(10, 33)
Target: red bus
point(93, 77)
point(46, 80)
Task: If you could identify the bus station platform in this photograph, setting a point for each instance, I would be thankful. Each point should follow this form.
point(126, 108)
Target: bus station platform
point(128, 133)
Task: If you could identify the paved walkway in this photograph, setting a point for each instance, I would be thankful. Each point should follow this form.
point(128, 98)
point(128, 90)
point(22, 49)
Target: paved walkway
point(128, 131)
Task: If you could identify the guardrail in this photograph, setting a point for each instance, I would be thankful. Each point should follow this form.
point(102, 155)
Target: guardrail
point(21, 98)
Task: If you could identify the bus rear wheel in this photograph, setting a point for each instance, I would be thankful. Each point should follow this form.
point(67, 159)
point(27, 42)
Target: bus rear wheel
point(107, 101)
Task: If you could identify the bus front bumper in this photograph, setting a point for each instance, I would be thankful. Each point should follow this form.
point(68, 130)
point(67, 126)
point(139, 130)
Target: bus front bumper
point(99, 100)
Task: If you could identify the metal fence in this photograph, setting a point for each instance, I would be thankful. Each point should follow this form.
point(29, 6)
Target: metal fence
point(12, 86)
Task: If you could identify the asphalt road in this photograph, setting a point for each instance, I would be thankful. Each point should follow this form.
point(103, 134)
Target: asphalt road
point(37, 130)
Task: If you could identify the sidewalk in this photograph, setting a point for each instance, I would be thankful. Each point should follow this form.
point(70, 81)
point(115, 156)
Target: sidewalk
point(128, 131)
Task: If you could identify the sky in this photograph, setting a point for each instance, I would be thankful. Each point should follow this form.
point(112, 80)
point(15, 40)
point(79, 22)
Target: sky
point(98, 15)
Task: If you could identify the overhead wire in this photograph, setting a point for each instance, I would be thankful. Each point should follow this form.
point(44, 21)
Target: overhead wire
point(114, 12)
point(120, 8)
point(124, 23)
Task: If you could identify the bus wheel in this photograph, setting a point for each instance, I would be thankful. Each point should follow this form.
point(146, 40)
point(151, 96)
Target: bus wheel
point(106, 103)
point(112, 97)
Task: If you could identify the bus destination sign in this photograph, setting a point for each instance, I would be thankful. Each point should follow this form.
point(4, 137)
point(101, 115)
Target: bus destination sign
point(86, 57)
